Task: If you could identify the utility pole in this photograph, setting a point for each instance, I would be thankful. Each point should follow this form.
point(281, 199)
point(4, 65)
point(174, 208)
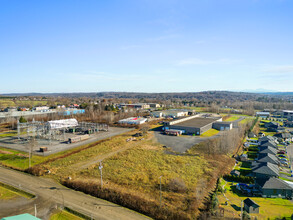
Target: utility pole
point(35, 210)
point(101, 167)
point(160, 191)
point(29, 157)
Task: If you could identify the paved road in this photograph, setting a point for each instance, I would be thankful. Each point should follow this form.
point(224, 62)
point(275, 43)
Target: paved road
point(290, 154)
point(49, 194)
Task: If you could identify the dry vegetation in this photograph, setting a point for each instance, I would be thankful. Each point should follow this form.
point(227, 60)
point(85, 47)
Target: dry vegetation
point(131, 172)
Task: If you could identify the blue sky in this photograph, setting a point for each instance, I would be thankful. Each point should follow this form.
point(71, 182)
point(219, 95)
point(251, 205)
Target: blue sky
point(145, 45)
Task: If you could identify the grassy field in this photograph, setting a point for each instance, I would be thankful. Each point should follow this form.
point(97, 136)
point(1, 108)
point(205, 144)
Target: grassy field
point(10, 103)
point(64, 215)
point(17, 159)
point(270, 208)
point(209, 133)
point(246, 120)
point(8, 134)
point(232, 118)
point(141, 168)
point(133, 168)
point(6, 194)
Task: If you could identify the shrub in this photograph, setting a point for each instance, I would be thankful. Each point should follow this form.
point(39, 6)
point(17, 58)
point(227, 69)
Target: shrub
point(242, 179)
point(177, 185)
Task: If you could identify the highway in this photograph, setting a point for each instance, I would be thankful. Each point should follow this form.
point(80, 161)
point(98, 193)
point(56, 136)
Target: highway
point(50, 194)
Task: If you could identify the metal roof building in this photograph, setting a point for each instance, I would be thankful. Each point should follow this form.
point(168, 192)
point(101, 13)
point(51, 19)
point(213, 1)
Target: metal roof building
point(21, 217)
point(64, 123)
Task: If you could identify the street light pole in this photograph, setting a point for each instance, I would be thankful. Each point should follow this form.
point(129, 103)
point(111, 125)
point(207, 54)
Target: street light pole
point(101, 167)
point(241, 217)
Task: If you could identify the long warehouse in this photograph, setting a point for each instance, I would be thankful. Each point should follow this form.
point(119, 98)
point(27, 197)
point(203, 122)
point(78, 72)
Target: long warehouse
point(194, 125)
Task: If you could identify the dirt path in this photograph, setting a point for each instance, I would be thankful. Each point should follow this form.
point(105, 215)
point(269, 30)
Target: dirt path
point(49, 194)
point(99, 158)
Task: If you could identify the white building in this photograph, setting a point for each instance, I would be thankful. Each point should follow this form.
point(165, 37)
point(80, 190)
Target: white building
point(41, 108)
point(133, 121)
point(64, 123)
point(157, 114)
point(175, 114)
point(262, 114)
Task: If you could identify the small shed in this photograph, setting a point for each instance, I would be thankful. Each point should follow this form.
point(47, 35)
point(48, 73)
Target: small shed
point(235, 173)
point(251, 135)
point(261, 134)
point(250, 206)
point(243, 157)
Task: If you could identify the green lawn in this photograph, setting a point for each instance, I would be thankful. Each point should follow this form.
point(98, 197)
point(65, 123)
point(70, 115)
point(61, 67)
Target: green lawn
point(8, 134)
point(246, 120)
point(269, 207)
point(64, 215)
point(11, 103)
point(6, 194)
point(209, 133)
point(233, 118)
point(18, 159)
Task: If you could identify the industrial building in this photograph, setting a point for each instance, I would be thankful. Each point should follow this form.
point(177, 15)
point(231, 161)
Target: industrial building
point(60, 124)
point(170, 113)
point(192, 125)
point(154, 105)
point(71, 111)
point(287, 114)
point(157, 114)
point(223, 125)
point(41, 108)
point(136, 105)
point(175, 113)
point(262, 114)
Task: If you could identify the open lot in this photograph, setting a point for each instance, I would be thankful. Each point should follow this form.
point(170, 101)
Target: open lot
point(180, 143)
point(131, 171)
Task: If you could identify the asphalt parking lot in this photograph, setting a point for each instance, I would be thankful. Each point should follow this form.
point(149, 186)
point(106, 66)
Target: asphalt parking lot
point(180, 143)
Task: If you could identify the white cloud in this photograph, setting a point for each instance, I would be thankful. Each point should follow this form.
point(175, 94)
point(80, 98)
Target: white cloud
point(197, 61)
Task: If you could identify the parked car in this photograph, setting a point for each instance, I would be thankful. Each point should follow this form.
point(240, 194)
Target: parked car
point(284, 162)
point(283, 159)
point(281, 152)
point(282, 156)
point(244, 188)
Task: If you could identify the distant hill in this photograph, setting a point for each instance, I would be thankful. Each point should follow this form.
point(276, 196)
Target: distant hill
point(205, 95)
point(279, 93)
point(211, 95)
